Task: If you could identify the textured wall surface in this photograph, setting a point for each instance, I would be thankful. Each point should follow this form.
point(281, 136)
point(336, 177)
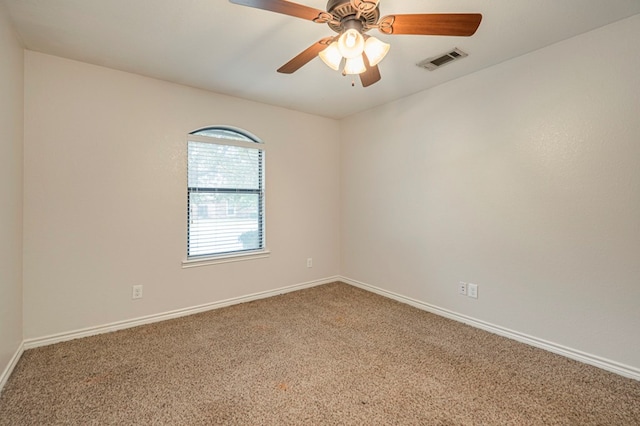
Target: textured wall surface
point(105, 196)
point(523, 178)
point(11, 122)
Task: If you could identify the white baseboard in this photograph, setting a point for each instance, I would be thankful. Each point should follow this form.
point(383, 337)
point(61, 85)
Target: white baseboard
point(120, 325)
point(605, 364)
point(12, 364)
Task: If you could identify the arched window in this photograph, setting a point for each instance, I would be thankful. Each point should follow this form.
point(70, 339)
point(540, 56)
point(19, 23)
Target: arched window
point(225, 213)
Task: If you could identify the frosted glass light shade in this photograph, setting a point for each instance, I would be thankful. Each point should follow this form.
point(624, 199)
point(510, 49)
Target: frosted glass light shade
point(376, 50)
point(355, 65)
point(351, 43)
point(331, 56)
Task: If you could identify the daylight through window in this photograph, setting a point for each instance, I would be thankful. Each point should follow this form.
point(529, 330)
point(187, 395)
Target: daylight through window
point(225, 193)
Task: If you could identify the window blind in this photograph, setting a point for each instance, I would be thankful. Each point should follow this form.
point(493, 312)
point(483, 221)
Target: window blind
point(225, 198)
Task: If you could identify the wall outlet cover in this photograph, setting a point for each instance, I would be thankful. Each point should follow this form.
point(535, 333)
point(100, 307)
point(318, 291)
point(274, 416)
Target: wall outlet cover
point(136, 292)
point(462, 288)
point(472, 290)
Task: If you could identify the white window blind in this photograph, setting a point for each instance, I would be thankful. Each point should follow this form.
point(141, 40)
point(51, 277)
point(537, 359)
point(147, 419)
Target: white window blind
point(225, 193)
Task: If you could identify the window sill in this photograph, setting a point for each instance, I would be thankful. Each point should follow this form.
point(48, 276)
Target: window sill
point(214, 260)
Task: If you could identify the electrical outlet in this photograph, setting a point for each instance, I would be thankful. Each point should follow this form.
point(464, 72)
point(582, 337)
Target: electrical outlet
point(136, 292)
point(462, 288)
point(472, 290)
point(309, 262)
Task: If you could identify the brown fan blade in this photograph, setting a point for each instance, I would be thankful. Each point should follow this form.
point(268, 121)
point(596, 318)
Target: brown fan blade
point(371, 75)
point(445, 24)
point(284, 7)
point(305, 56)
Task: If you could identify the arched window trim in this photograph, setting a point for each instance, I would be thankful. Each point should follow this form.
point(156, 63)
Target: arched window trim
point(250, 136)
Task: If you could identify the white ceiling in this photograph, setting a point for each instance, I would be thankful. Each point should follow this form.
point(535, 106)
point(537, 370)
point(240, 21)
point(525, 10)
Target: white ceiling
point(235, 50)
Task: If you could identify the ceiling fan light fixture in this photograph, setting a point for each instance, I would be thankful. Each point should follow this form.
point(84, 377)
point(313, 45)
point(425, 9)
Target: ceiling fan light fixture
point(331, 56)
point(375, 50)
point(354, 66)
point(351, 20)
point(351, 43)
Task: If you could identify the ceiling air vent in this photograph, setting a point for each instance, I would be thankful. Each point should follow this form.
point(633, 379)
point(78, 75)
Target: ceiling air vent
point(436, 62)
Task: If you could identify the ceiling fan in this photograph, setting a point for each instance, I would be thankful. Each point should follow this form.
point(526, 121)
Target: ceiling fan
point(351, 19)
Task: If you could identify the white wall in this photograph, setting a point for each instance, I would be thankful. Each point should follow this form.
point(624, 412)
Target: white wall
point(11, 121)
point(523, 178)
point(105, 196)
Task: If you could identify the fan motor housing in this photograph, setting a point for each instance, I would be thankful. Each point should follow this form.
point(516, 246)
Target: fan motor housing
point(344, 11)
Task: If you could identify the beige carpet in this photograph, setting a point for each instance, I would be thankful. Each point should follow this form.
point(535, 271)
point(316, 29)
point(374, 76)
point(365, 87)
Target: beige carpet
point(332, 354)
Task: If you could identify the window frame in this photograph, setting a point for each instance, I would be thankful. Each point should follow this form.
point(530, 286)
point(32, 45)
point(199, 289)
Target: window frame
point(250, 141)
